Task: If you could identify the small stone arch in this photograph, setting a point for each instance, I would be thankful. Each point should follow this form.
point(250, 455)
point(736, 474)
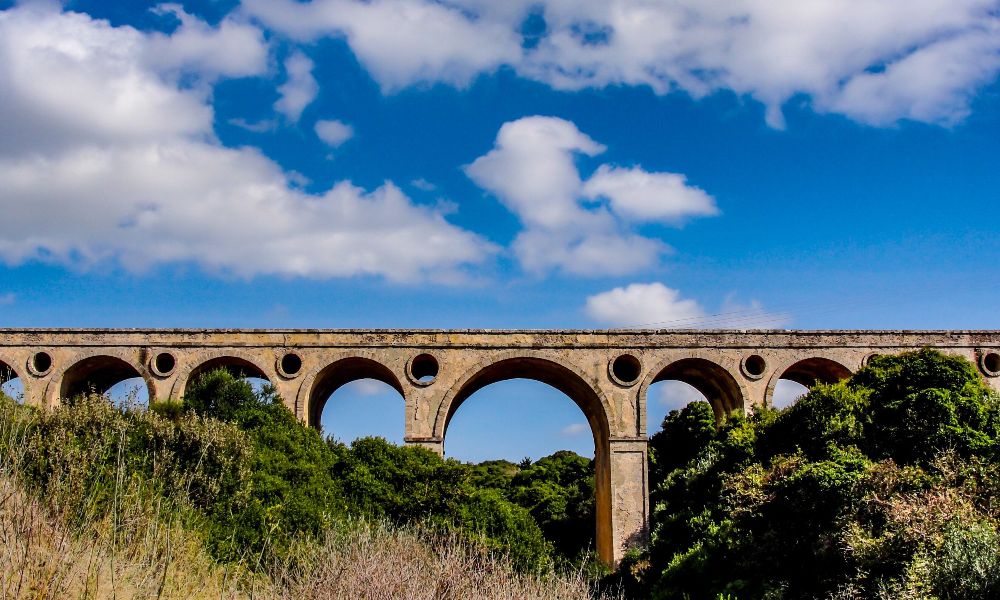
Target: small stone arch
point(725, 393)
point(97, 371)
point(807, 371)
point(241, 363)
point(568, 379)
point(318, 385)
point(8, 371)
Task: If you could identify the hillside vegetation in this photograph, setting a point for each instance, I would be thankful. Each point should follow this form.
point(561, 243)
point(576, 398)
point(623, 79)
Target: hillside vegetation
point(250, 498)
point(883, 486)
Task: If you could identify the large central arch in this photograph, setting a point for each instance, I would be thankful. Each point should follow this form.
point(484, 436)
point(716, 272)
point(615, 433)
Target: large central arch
point(567, 380)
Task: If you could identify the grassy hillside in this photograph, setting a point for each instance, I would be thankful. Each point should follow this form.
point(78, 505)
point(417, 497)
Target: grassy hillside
point(231, 491)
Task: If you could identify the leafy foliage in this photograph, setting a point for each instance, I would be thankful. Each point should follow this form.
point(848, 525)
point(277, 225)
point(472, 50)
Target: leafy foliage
point(257, 482)
point(881, 486)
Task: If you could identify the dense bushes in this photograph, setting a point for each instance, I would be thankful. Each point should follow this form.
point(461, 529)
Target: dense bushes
point(886, 485)
point(256, 480)
point(883, 486)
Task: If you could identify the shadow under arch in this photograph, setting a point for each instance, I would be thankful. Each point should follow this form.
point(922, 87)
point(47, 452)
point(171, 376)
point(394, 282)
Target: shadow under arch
point(237, 365)
point(98, 374)
point(714, 382)
point(338, 374)
point(8, 372)
point(807, 372)
point(574, 385)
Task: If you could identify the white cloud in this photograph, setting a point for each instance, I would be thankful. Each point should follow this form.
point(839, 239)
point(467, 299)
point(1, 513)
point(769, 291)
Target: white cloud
point(933, 84)
point(641, 196)
point(368, 387)
point(786, 393)
point(676, 395)
point(333, 132)
point(655, 305)
point(423, 185)
point(262, 126)
point(232, 49)
point(643, 304)
point(575, 429)
point(7, 299)
point(876, 61)
point(532, 170)
point(402, 42)
point(106, 157)
point(300, 87)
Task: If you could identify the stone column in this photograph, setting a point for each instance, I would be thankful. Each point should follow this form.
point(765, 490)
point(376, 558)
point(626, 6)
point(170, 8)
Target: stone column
point(629, 495)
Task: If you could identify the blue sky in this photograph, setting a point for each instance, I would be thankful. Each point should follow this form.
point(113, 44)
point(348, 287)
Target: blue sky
point(539, 164)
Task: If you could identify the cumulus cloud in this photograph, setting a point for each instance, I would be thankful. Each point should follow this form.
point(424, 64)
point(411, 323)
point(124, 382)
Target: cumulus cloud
point(231, 49)
point(876, 61)
point(401, 42)
point(641, 304)
point(333, 132)
point(575, 429)
point(787, 393)
point(655, 305)
point(641, 196)
point(675, 395)
point(567, 225)
point(109, 155)
point(300, 87)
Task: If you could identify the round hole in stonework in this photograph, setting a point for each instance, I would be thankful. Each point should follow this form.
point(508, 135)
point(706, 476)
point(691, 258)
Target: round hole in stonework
point(291, 363)
point(626, 369)
point(991, 363)
point(164, 363)
point(754, 365)
point(40, 363)
point(423, 369)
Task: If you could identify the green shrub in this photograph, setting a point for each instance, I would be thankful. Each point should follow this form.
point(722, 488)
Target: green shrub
point(884, 485)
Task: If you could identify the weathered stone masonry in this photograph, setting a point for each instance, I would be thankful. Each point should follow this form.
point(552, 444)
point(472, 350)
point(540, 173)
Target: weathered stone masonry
point(606, 373)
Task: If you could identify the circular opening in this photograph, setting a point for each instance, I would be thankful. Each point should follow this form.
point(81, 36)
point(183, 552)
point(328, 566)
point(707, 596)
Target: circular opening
point(991, 363)
point(40, 363)
point(626, 369)
point(291, 363)
point(754, 365)
point(164, 363)
point(423, 369)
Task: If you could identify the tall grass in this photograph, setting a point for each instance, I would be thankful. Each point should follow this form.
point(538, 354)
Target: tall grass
point(74, 534)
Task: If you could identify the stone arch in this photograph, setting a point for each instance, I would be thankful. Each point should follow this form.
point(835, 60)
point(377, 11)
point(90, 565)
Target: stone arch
point(98, 371)
point(319, 385)
point(725, 393)
point(568, 379)
point(807, 371)
point(563, 376)
point(8, 371)
point(241, 363)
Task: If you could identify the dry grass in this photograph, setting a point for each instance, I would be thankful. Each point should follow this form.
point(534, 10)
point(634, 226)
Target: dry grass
point(139, 548)
point(127, 555)
point(381, 563)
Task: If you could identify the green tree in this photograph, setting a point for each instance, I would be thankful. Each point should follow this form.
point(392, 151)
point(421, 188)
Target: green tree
point(880, 485)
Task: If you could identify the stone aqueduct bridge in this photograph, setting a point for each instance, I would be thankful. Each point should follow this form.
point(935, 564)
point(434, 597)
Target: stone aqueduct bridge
point(606, 373)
